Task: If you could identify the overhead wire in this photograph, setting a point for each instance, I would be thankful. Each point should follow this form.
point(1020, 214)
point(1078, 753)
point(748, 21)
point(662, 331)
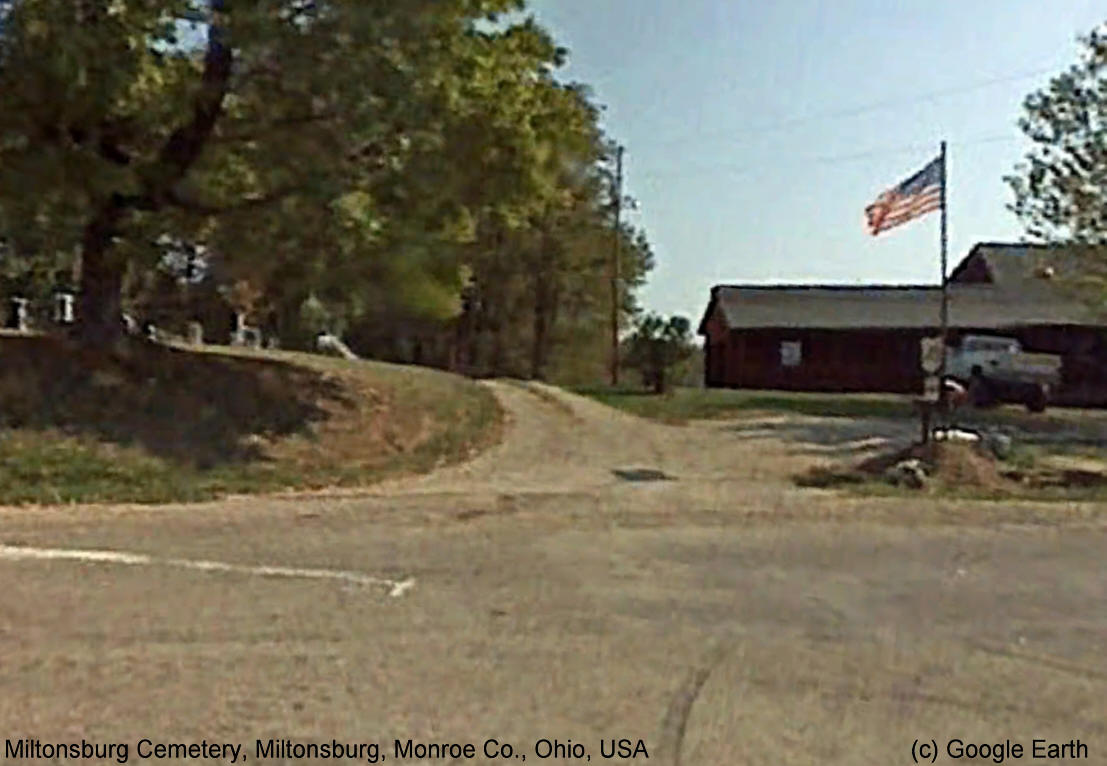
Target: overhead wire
point(854, 111)
point(739, 133)
point(742, 169)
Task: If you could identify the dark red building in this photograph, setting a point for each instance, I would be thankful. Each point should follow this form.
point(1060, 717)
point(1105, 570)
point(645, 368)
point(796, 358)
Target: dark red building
point(866, 338)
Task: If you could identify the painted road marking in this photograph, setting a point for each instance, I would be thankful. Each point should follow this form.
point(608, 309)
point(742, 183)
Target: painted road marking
point(395, 588)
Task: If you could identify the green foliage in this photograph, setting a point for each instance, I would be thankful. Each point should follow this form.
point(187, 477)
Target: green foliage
point(373, 157)
point(657, 346)
point(1060, 188)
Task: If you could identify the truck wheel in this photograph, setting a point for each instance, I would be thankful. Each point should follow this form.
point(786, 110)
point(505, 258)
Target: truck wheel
point(980, 393)
point(1038, 399)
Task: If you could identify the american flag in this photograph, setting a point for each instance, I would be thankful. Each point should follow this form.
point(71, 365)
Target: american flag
point(918, 195)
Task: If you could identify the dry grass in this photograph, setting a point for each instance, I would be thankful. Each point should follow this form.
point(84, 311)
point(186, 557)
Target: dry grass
point(951, 467)
point(971, 471)
point(951, 464)
point(152, 423)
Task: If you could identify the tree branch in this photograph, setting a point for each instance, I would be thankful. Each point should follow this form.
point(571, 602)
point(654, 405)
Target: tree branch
point(107, 141)
point(184, 202)
point(261, 130)
point(184, 145)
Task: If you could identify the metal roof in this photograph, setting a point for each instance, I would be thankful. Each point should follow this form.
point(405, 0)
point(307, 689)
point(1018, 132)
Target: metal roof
point(1015, 295)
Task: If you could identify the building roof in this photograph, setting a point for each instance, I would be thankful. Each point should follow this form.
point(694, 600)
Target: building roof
point(996, 286)
point(1022, 268)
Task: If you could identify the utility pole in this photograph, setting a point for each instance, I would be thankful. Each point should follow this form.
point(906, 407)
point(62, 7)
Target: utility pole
point(615, 257)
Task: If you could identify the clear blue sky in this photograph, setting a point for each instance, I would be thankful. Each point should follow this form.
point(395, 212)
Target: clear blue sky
point(748, 143)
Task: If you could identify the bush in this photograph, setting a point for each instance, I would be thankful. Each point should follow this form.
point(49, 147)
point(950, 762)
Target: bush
point(657, 347)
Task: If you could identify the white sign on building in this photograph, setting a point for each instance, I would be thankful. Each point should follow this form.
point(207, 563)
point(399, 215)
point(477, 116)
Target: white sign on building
point(791, 353)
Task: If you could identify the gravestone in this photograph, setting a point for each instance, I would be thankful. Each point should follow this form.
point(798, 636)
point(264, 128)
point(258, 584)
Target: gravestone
point(63, 307)
point(17, 314)
point(195, 333)
point(327, 343)
point(238, 329)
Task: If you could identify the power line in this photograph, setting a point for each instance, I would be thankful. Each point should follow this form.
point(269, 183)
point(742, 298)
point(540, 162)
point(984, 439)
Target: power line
point(823, 160)
point(792, 122)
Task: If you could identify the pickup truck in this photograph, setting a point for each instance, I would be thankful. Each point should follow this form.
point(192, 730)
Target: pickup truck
point(996, 369)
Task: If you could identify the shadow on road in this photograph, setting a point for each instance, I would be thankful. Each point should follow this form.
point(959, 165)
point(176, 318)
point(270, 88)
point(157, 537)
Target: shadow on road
point(641, 474)
point(827, 436)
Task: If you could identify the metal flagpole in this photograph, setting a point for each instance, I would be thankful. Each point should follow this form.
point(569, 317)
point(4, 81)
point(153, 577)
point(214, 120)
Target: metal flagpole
point(945, 286)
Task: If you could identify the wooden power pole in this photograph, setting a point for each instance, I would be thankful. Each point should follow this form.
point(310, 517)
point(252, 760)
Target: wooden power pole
point(615, 258)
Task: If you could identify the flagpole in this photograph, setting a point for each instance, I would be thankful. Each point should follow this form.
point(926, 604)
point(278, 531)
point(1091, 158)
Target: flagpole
point(945, 286)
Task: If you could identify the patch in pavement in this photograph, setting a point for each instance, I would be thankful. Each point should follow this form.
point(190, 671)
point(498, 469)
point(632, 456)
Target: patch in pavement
point(641, 474)
point(395, 588)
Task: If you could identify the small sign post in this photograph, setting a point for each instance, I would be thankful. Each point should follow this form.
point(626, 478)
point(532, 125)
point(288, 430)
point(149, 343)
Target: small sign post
point(931, 360)
point(930, 355)
point(931, 388)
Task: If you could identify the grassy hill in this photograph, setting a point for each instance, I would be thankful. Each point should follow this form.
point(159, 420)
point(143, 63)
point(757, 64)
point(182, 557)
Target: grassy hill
point(158, 423)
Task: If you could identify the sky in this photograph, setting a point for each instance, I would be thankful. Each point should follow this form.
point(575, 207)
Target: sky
point(757, 132)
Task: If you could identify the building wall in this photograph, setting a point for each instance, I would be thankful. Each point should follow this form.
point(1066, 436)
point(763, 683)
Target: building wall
point(1083, 352)
point(879, 360)
point(816, 360)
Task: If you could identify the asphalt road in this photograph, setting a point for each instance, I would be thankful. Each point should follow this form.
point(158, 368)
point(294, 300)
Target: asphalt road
point(595, 578)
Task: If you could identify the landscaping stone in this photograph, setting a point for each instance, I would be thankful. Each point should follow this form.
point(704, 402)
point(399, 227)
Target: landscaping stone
point(1000, 444)
point(908, 473)
point(954, 434)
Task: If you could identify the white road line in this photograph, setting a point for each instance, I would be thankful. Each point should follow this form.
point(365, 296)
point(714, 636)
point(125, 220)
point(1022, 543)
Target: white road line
point(396, 588)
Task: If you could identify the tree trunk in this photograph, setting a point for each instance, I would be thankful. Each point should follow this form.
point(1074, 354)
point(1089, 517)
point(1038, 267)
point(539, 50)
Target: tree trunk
point(540, 330)
point(460, 350)
point(100, 320)
point(496, 325)
point(473, 354)
point(100, 307)
point(657, 365)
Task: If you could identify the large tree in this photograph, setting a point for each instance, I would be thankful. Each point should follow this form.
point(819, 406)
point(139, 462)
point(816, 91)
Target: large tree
point(1061, 187)
point(262, 129)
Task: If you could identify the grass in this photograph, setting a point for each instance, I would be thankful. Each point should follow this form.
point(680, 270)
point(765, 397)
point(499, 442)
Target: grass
point(163, 424)
point(684, 404)
point(1036, 470)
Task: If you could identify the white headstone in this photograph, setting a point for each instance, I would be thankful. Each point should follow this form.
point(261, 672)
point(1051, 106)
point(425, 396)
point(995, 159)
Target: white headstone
point(17, 314)
point(195, 333)
point(63, 308)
